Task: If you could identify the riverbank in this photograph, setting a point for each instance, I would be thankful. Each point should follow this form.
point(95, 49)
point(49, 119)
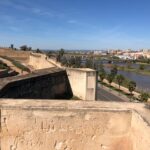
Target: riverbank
point(142, 63)
point(138, 71)
point(122, 89)
point(134, 70)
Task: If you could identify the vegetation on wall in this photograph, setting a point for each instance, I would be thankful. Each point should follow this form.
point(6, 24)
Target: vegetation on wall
point(3, 65)
point(17, 64)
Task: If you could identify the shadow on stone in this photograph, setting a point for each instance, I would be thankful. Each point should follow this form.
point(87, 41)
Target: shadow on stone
point(51, 83)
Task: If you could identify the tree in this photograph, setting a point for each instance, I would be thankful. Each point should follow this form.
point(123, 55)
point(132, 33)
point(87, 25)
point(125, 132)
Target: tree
point(102, 75)
point(110, 78)
point(12, 46)
point(24, 48)
point(120, 79)
point(38, 51)
point(144, 97)
point(78, 62)
point(60, 55)
point(89, 63)
point(101, 67)
point(58, 58)
point(64, 61)
point(114, 71)
point(131, 86)
point(30, 48)
point(129, 65)
point(61, 52)
point(142, 67)
point(109, 62)
point(71, 62)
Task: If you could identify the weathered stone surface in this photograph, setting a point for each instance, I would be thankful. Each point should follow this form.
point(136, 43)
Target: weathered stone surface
point(48, 83)
point(68, 125)
point(22, 56)
point(39, 61)
point(84, 78)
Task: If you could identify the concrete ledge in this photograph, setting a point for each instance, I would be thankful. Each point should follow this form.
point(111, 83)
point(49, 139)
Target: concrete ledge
point(85, 105)
point(57, 125)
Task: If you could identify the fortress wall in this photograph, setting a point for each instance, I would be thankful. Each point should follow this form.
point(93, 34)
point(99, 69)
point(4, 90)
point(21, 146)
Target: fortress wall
point(39, 61)
point(54, 126)
point(17, 55)
point(42, 84)
point(140, 132)
point(83, 83)
point(72, 125)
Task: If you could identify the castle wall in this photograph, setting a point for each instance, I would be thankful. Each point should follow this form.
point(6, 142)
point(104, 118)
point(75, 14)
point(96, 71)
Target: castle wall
point(39, 61)
point(42, 84)
point(73, 125)
point(17, 55)
point(51, 126)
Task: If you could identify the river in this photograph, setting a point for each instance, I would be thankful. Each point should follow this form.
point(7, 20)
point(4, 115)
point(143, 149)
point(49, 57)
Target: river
point(142, 81)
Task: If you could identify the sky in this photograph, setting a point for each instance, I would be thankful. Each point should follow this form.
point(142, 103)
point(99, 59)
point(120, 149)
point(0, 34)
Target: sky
point(75, 24)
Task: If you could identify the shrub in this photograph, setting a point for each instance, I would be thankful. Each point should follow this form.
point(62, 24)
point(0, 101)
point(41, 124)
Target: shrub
point(144, 97)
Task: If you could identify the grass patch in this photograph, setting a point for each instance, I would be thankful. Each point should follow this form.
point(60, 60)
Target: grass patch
point(75, 98)
point(143, 72)
point(3, 65)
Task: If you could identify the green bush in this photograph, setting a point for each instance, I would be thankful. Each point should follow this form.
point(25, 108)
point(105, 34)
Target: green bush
point(144, 97)
point(3, 65)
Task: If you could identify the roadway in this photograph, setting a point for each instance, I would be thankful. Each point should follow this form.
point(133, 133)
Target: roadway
point(105, 94)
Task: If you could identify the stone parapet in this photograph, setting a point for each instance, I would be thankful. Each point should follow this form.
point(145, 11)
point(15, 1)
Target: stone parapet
point(65, 125)
point(50, 83)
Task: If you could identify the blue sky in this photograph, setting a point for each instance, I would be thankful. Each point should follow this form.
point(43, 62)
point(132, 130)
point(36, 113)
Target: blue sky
point(75, 24)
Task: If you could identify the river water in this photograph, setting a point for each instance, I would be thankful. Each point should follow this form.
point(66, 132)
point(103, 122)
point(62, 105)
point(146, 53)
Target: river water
point(142, 81)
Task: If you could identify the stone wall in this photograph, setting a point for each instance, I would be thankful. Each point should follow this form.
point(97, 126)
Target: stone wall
point(72, 125)
point(83, 82)
point(39, 61)
point(42, 84)
point(17, 55)
point(140, 132)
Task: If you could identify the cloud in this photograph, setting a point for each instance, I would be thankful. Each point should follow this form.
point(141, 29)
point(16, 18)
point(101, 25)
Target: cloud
point(72, 21)
point(47, 13)
point(28, 7)
point(42, 12)
point(13, 4)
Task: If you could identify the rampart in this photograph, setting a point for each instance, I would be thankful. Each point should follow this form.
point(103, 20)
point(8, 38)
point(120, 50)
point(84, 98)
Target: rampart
point(73, 125)
point(17, 55)
point(39, 61)
point(83, 81)
point(47, 83)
